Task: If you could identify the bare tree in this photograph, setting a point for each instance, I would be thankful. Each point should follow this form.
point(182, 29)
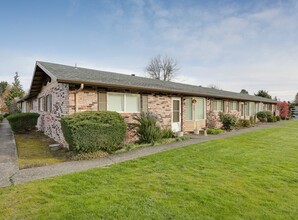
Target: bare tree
point(162, 68)
point(214, 86)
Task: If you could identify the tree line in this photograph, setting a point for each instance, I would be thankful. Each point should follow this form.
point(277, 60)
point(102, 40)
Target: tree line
point(9, 94)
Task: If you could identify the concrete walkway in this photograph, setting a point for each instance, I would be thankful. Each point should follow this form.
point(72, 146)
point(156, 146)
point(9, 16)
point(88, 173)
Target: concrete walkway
point(8, 154)
point(11, 174)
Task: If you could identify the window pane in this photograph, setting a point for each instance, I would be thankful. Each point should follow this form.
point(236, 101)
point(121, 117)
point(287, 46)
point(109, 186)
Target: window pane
point(176, 111)
point(219, 106)
point(188, 109)
point(132, 103)
point(175, 116)
point(199, 109)
point(235, 106)
point(247, 109)
point(176, 105)
point(116, 102)
point(252, 108)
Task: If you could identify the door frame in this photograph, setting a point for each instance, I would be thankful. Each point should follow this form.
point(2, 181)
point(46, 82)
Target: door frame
point(173, 126)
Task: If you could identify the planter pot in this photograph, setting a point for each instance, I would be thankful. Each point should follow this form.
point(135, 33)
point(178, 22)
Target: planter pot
point(179, 133)
point(196, 131)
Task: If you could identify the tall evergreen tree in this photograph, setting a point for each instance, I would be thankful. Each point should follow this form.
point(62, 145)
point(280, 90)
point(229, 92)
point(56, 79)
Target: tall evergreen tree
point(263, 93)
point(3, 85)
point(16, 91)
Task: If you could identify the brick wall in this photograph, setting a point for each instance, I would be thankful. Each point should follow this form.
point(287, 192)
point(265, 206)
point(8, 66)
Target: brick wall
point(49, 122)
point(86, 99)
point(161, 106)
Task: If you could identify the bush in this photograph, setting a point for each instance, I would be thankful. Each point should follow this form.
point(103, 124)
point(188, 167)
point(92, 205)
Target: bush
point(264, 115)
point(242, 123)
point(277, 118)
point(1, 118)
point(214, 131)
point(284, 109)
point(167, 133)
point(271, 119)
point(251, 120)
point(227, 120)
point(93, 131)
point(23, 122)
point(147, 129)
point(6, 114)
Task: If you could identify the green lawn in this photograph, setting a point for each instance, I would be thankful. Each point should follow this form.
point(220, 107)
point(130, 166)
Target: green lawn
point(33, 150)
point(250, 176)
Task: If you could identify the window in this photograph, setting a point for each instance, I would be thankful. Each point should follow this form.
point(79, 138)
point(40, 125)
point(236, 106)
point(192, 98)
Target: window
point(233, 106)
point(49, 103)
point(196, 110)
point(188, 109)
point(123, 102)
point(261, 107)
point(217, 105)
point(41, 104)
point(132, 103)
point(247, 113)
point(257, 107)
point(252, 108)
point(199, 109)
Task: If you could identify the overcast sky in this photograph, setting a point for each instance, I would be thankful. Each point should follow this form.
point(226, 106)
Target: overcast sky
point(232, 44)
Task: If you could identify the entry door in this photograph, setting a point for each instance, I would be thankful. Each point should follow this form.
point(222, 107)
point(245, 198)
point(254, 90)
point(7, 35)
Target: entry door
point(176, 114)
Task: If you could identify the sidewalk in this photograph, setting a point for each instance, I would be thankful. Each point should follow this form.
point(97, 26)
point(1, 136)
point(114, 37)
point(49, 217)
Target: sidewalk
point(27, 175)
point(8, 154)
point(10, 173)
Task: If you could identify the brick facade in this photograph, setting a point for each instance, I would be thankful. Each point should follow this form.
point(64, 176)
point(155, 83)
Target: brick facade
point(49, 122)
point(161, 106)
point(64, 102)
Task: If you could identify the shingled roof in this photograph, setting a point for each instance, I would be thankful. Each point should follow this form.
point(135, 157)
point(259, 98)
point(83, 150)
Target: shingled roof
point(72, 74)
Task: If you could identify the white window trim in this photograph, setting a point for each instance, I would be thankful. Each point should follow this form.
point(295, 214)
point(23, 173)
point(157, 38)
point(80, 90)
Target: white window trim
point(124, 101)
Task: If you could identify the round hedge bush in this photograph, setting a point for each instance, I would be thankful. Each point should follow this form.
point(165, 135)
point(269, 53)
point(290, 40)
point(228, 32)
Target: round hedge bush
point(93, 131)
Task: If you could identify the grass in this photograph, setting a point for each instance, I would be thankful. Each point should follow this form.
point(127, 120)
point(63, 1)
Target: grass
point(33, 150)
point(132, 146)
point(249, 176)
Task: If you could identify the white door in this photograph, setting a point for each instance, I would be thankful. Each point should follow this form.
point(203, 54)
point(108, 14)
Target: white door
point(176, 114)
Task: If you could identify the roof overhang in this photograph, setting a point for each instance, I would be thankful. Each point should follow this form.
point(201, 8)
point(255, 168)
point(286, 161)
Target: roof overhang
point(154, 90)
point(40, 77)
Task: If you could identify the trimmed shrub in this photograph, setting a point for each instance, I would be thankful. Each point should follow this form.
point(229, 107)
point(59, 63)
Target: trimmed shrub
point(242, 123)
point(147, 129)
point(214, 131)
point(228, 121)
point(6, 114)
point(23, 122)
point(271, 119)
point(277, 118)
point(1, 118)
point(264, 115)
point(167, 133)
point(93, 131)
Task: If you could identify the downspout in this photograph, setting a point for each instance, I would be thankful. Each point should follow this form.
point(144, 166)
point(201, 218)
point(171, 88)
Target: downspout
point(76, 98)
